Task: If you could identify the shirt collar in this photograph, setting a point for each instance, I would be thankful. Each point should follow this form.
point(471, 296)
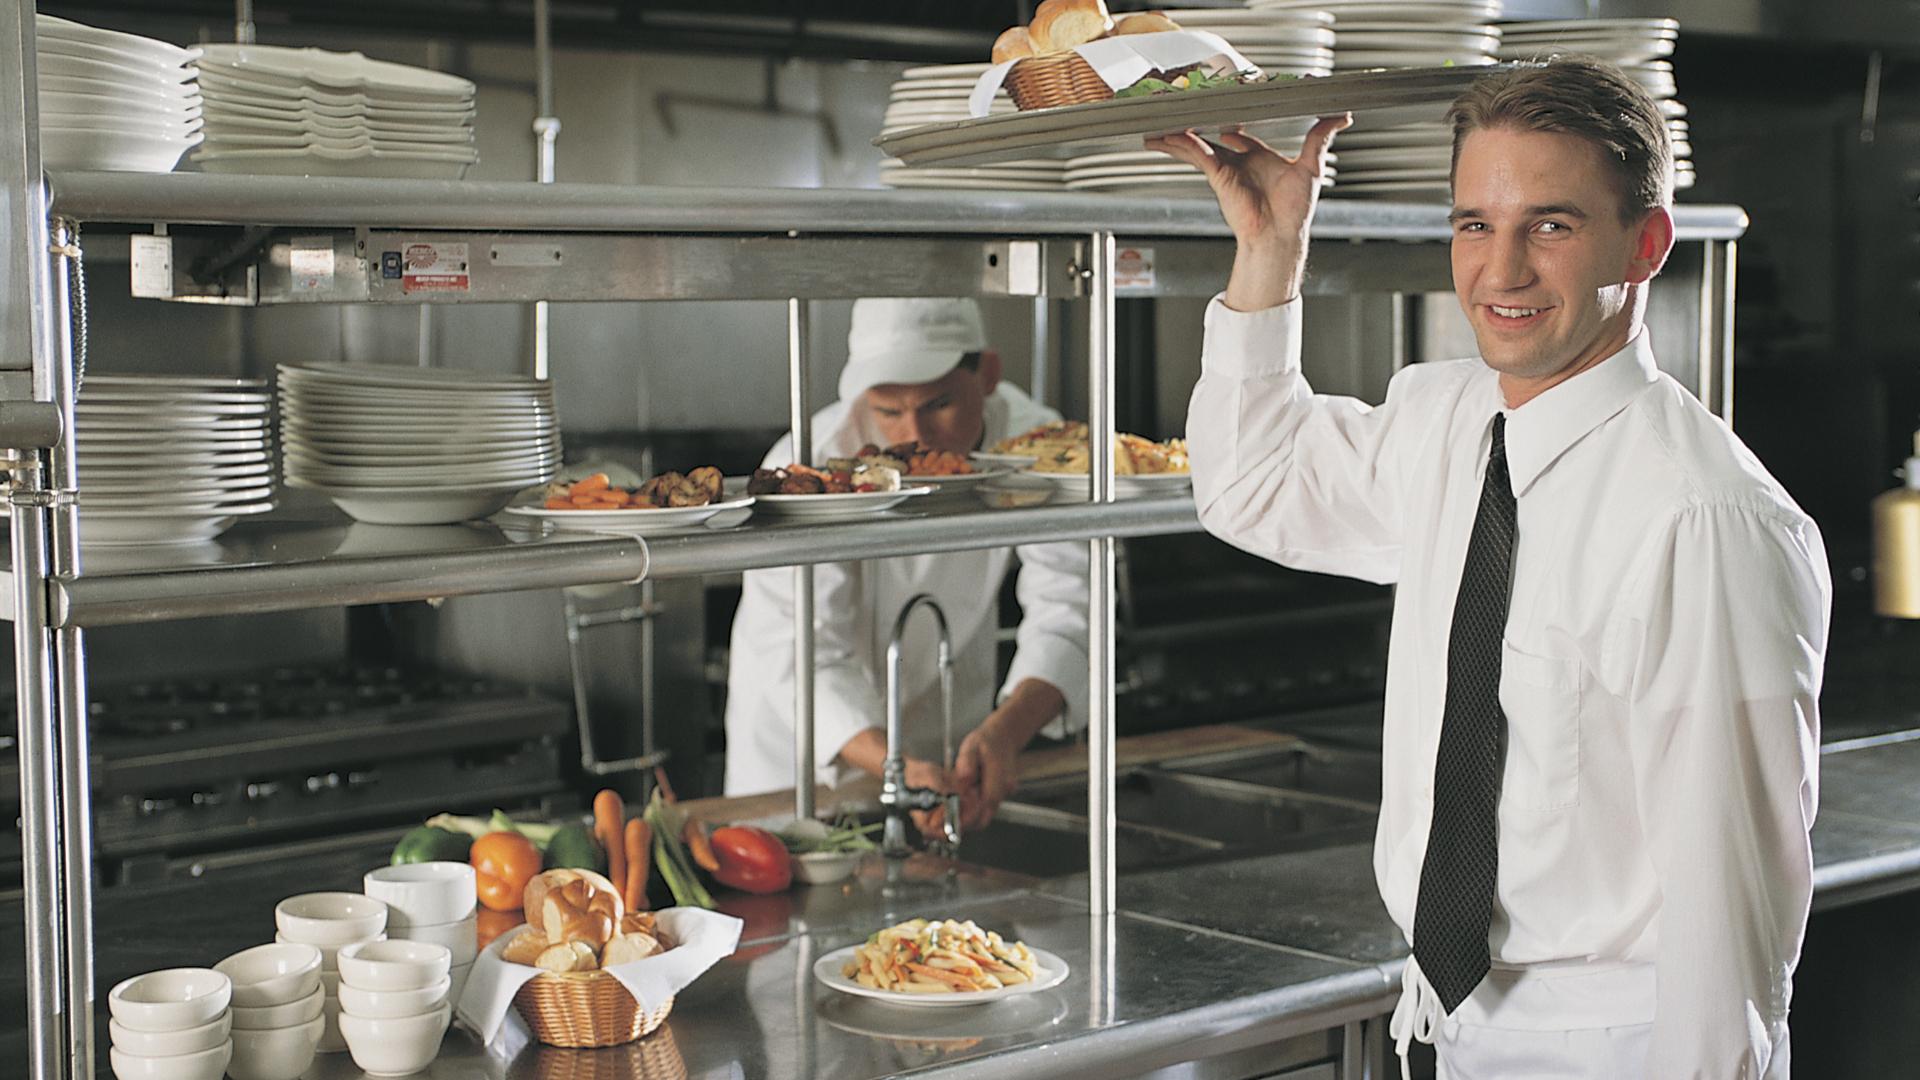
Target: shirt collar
point(1546, 427)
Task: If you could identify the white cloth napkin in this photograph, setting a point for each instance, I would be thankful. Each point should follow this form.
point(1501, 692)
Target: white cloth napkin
point(703, 939)
point(1121, 61)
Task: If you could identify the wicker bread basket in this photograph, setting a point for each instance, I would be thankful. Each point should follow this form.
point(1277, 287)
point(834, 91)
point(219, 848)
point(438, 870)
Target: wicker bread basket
point(584, 1008)
point(654, 1058)
point(1043, 82)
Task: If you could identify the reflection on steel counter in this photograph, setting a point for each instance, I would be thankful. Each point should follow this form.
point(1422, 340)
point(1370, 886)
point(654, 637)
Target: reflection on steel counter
point(190, 767)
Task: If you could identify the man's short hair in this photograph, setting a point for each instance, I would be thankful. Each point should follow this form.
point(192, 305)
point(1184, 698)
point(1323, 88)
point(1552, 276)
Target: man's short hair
point(969, 362)
point(1583, 97)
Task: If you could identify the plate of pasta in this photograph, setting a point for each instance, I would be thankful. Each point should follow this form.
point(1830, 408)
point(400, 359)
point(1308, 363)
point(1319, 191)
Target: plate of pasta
point(939, 962)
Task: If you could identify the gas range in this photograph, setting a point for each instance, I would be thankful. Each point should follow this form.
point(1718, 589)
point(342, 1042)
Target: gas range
point(189, 767)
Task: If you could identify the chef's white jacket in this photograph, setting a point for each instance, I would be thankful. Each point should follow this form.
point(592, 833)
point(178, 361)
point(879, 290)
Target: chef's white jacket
point(854, 607)
point(1659, 674)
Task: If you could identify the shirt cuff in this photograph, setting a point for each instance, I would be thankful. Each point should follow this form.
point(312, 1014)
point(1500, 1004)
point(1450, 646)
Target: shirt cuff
point(1251, 344)
point(1061, 665)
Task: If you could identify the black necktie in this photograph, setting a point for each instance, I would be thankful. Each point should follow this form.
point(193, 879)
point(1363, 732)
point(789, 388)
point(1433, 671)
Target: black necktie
point(1455, 907)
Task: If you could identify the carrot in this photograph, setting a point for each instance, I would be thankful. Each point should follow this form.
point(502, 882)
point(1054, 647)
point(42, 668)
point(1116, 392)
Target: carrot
point(665, 786)
point(595, 482)
point(698, 846)
point(639, 838)
point(559, 504)
point(609, 817)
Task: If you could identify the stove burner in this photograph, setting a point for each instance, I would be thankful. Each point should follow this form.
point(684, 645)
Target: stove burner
point(175, 706)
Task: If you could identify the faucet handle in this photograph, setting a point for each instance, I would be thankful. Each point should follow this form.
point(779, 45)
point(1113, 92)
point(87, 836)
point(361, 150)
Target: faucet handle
point(952, 823)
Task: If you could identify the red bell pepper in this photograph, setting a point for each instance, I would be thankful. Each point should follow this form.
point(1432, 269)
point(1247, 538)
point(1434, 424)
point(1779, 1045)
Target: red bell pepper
point(752, 860)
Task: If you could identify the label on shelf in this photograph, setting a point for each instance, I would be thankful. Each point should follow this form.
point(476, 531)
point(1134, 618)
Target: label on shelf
point(434, 268)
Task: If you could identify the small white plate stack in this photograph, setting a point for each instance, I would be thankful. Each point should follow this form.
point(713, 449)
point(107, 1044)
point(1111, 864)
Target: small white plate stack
point(1406, 161)
point(171, 460)
point(311, 112)
point(394, 445)
point(113, 101)
point(1641, 47)
point(938, 95)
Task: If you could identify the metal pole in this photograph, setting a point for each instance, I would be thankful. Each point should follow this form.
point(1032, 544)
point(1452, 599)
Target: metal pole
point(1037, 382)
point(243, 22)
point(70, 677)
point(546, 130)
point(1101, 823)
point(43, 905)
point(800, 420)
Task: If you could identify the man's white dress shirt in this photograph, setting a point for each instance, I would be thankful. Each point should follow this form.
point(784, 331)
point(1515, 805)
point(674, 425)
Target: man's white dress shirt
point(1659, 674)
point(854, 607)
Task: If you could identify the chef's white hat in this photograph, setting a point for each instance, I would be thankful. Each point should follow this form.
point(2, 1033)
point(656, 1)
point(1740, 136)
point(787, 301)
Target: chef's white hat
point(899, 340)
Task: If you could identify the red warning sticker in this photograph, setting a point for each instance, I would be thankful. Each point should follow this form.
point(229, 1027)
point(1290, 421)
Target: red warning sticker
point(434, 268)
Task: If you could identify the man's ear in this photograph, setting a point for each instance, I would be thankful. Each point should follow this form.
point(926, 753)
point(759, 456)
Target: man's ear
point(989, 370)
point(1651, 246)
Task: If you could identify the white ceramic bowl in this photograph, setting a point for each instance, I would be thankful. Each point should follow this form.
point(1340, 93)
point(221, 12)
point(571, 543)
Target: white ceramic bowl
point(395, 1047)
point(458, 975)
point(423, 894)
point(394, 965)
point(171, 1043)
point(272, 974)
point(205, 1065)
point(276, 1053)
point(330, 918)
point(329, 954)
point(462, 938)
point(825, 867)
point(268, 1017)
point(171, 1000)
point(393, 1004)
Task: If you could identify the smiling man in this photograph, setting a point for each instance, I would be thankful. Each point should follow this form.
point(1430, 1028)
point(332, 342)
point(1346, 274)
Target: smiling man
point(917, 371)
point(1601, 737)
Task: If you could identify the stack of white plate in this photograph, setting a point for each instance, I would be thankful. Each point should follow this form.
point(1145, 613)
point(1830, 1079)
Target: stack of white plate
point(1291, 41)
point(1278, 42)
point(1407, 161)
point(312, 112)
point(115, 101)
point(170, 460)
point(938, 95)
point(395, 445)
point(1640, 46)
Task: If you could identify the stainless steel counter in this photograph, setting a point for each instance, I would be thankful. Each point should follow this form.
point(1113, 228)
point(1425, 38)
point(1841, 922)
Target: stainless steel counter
point(1230, 954)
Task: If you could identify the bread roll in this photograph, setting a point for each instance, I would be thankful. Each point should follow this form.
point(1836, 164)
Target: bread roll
point(559, 958)
point(1059, 25)
point(576, 912)
point(525, 947)
point(627, 948)
point(1145, 22)
point(534, 897)
point(1012, 45)
point(637, 922)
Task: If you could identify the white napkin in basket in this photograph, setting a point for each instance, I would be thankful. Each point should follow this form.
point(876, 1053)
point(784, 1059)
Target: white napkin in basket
point(703, 939)
point(1121, 61)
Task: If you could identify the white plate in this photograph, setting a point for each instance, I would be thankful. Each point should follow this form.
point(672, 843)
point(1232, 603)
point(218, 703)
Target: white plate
point(51, 26)
point(1158, 185)
point(1416, 190)
point(970, 185)
point(155, 444)
point(137, 77)
point(960, 480)
point(1211, 17)
point(633, 522)
point(1124, 487)
point(147, 530)
point(369, 164)
point(185, 411)
point(213, 496)
point(454, 380)
point(320, 113)
point(1076, 130)
point(850, 504)
point(418, 505)
point(946, 71)
point(447, 455)
point(1357, 62)
point(117, 482)
point(346, 71)
point(78, 148)
point(1053, 972)
point(1423, 11)
point(1645, 25)
point(65, 106)
point(167, 383)
point(1010, 461)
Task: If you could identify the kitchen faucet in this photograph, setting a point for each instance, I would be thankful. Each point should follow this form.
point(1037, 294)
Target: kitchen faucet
point(895, 796)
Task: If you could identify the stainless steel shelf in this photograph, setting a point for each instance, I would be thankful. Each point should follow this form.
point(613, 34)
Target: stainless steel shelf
point(203, 199)
point(295, 564)
point(959, 529)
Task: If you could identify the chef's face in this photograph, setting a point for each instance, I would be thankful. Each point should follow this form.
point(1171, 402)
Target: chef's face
point(1550, 275)
point(945, 414)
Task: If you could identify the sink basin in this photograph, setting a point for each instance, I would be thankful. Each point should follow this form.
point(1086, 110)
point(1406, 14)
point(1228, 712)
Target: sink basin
point(1035, 840)
point(1303, 767)
point(1232, 813)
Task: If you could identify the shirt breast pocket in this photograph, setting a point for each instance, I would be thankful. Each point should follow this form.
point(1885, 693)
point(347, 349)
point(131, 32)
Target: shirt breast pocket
point(1540, 696)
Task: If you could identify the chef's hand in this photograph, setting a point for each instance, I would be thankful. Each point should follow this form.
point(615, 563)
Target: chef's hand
point(987, 770)
point(868, 750)
point(1267, 200)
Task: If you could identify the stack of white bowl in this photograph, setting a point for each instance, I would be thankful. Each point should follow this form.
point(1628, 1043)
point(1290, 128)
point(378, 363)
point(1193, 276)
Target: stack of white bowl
point(330, 922)
point(115, 101)
point(1641, 47)
point(1407, 161)
point(394, 1007)
point(166, 459)
point(938, 95)
point(397, 445)
point(276, 1010)
point(312, 112)
point(171, 1025)
point(433, 902)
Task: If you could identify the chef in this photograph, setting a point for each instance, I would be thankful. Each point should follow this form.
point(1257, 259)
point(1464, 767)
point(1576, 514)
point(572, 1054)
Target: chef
point(918, 370)
point(1601, 738)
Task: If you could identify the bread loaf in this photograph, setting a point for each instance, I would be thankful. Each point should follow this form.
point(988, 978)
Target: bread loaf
point(1012, 44)
point(1145, 22)
point(1059, 25)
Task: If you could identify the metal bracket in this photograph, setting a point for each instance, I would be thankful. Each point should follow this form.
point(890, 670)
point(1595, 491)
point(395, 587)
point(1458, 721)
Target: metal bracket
point(29, 425)
point(45, 498)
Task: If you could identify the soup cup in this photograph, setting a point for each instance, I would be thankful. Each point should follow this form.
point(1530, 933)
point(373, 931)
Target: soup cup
point(170, 1000)
point(281, 1053)
point(395, 1047)
point(191, 1040)
point(393, 965)
point(393, 1004)
point(205, 1065)
point(423, 894)
point(272, 974)
point(330, 918)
